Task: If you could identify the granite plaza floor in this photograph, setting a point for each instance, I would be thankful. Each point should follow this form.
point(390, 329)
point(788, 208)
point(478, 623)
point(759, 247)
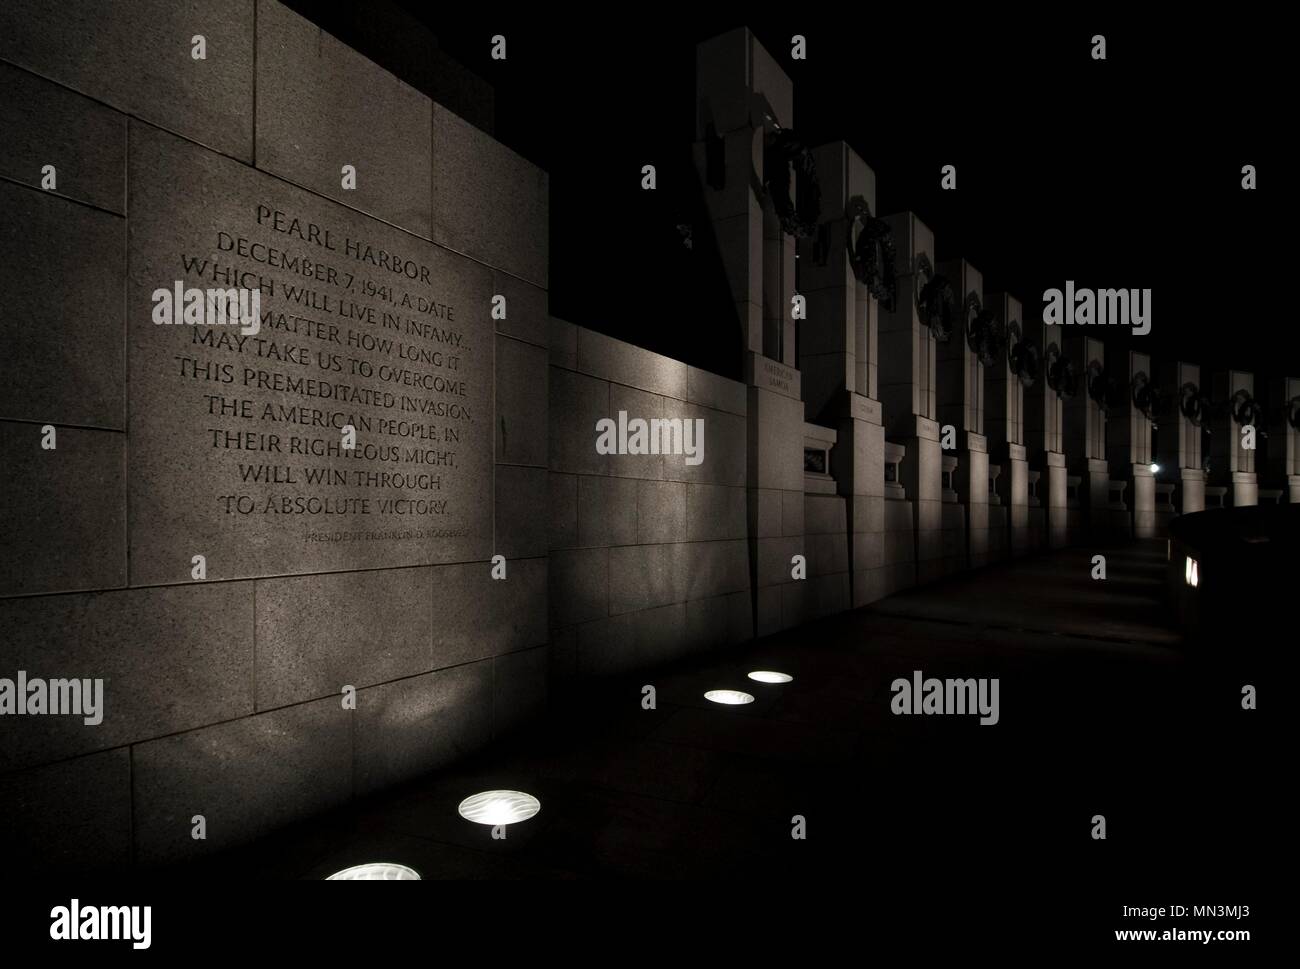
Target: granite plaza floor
point(1102, 711)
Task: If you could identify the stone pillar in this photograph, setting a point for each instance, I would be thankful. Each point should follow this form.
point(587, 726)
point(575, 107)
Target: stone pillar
point(838, 356)
point(961, 406)
point(1085, 434)
point(907, 391)
point(1004, 425)
point(1283, 465)
point(742, 97)
point(1044, 435)
point(900, 537)
point(1128, 446)
point(1179, 436)
point(1232, 464)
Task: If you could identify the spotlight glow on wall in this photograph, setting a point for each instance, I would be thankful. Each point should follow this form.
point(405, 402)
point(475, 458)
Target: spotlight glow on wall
point(770, 676)
point(729, 697)
point(377, 871)
point(1191, 573)
point(499, 807)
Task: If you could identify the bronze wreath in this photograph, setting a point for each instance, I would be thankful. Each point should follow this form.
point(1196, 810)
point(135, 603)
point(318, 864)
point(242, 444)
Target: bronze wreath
point(934, 300)
point(783, 152)
point(1245, 409)
point(1022, 356)
point(984, 334)
point(1061, 375)
point(872, 254)
point(1192, 404)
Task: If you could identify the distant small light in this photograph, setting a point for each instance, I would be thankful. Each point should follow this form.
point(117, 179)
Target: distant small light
point(768, 676)
point(1155, 469)
point(1191, 573)
point(729, 697)
point(499, 807)
point(376, 872)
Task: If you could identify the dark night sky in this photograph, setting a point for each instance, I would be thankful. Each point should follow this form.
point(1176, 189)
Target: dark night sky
point(1117, 174)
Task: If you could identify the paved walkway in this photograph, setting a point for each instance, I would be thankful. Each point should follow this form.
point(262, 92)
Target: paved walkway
point(1101, 712)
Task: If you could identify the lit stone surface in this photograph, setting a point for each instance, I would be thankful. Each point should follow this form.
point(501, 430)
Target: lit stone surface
point(61, 276)
point(234, 451)
point(45, 124)
point(319, 105)
point(246, 777)
point(137, 57)
point(171, 659)
point(64, 513)
point(488, 202)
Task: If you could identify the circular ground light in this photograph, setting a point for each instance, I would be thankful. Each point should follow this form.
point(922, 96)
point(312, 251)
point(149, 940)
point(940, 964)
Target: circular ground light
point(499, 807)
point(380, 871)
point(770, 676)
point(729, 697)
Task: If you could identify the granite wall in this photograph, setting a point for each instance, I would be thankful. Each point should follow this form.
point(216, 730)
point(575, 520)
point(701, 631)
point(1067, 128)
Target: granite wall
point(224, 694)
point(649, 554)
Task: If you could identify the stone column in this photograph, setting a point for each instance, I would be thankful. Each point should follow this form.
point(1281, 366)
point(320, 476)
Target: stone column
point(742, 96)
point(900, 538)
point(1004, 425)
point(1283, 468)
point(1128, 447)
point(1044, 435)
point(838, 357)
point(1085, 435)
point(961, 406)
point(907, 395)
point(1232, 464)
point(1179, 436)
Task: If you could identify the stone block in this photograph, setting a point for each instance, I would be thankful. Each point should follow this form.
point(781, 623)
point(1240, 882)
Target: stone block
point(489, 202)
point(319, 106)
point(476, 616)
point(413, 726)
point(50, 125)
point(614, 360)
point(527, 316)
point(522, 502)
point(62, 277)
point(171, 659)
point(205, 475)
point(607, 510)
point(73, 816)
point(64, 511)
point(318, 633)
point(662, 511)
point(519, 688)
point(716, 568)
point(521, 402)
point(579, 585)
point(577, 403)
point(247, 777)
point(138, 59)
point(646, 576)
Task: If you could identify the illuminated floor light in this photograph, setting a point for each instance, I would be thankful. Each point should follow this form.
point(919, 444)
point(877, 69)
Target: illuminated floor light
point(729, 697)
point(769, 676)
point(499, 807)
point(380, 871)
